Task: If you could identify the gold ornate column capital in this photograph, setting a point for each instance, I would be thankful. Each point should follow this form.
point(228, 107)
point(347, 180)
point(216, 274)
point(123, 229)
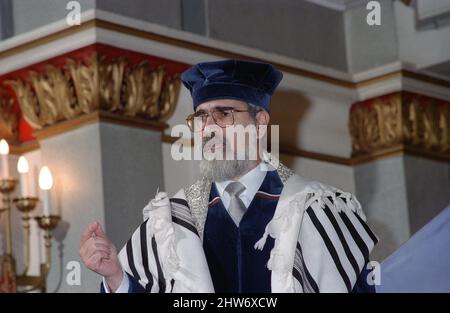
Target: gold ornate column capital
point(400, 121)
point(95, 83)
point(8, 118)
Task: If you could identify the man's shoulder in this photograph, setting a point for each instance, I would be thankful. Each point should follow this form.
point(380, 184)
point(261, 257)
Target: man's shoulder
point(299, 183)
point(322, 194)
point(296, 183)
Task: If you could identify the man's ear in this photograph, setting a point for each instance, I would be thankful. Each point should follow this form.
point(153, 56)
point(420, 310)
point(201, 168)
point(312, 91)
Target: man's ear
point(262, 118)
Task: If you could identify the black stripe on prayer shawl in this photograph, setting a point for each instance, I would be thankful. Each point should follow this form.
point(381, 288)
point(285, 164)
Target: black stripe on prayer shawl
point(181, 214)
point(338, 230)
point(367, 229)
point(364, 224)
point(161, 279)
point(144, 252)
point(179, 201)
point(185, 224)
point(309, 277)
point(297, 276)
point(330, 247)
point(131, 260)
point(356, 237)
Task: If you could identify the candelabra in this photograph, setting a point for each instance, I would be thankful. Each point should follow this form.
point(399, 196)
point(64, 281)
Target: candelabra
point(9, 279)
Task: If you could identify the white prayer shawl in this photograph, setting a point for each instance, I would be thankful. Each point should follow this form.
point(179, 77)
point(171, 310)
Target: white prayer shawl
point(321, 240)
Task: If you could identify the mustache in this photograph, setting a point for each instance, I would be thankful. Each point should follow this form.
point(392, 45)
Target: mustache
point(207, 139)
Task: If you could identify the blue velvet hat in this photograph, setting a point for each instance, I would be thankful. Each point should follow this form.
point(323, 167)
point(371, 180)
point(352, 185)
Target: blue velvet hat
point(251, 82)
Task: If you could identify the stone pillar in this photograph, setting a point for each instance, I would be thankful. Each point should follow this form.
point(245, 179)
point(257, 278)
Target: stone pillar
point(105, 172)
point(401, 144)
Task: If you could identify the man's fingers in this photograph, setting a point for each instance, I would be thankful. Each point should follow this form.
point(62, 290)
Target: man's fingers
point(88, 243)
point(103, 246)
point(94, 261)
point(102, 241)
point(96, 248)
point(99, 232)
point(93, 250)
point(94, 243)
point(88, 233)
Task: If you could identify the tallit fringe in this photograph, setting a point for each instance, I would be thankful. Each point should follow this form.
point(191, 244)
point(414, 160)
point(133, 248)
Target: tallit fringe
point(279, 223)
point(316, 192)
point(322, 193)
point(279, 261)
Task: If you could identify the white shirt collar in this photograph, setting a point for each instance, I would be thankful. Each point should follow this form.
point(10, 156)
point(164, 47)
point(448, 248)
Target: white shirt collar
point(251, 180)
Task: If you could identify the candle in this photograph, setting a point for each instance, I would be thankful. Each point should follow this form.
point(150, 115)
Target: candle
point(4, 151)
point(23, 169)
point(46, 184)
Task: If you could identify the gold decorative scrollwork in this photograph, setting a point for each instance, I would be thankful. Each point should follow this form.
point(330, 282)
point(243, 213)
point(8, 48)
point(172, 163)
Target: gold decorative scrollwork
point(8, 119)
point(86, 83)
point(444, 128)
point(54, 95)
point(28, 103)
point(111, 82)
point(169, 95)
point(142, 91)
point(95, 83)
point(400, 118)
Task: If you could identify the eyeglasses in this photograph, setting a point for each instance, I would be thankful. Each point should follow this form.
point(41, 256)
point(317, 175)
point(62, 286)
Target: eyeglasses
point(223, 117)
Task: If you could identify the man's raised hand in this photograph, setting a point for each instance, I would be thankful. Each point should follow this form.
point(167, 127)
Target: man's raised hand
point(99, 254)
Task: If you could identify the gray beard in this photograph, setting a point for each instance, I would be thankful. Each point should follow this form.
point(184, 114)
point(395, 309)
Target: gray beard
point(222, 170)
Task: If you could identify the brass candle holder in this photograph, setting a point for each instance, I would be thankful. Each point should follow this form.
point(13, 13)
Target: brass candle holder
point(7, 186)
point(8, 275)
point(47, 224)
point(25, 205)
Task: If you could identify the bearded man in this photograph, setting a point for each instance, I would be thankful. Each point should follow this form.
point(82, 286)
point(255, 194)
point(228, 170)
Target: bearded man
point(249, 224)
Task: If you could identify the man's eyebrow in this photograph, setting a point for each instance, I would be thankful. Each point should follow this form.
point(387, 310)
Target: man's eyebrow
point(218, 108)
point(223, 108)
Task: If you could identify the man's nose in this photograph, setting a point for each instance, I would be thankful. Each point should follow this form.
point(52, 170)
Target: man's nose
point(208, 133)
point(209, 120)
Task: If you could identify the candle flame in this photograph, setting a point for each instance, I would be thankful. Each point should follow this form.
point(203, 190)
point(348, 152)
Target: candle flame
point(4, 147)
point(45, 178)
point(22, 165)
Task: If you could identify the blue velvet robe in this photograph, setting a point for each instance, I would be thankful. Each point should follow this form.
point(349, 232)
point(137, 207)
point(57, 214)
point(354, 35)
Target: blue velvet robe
point(235, 265)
